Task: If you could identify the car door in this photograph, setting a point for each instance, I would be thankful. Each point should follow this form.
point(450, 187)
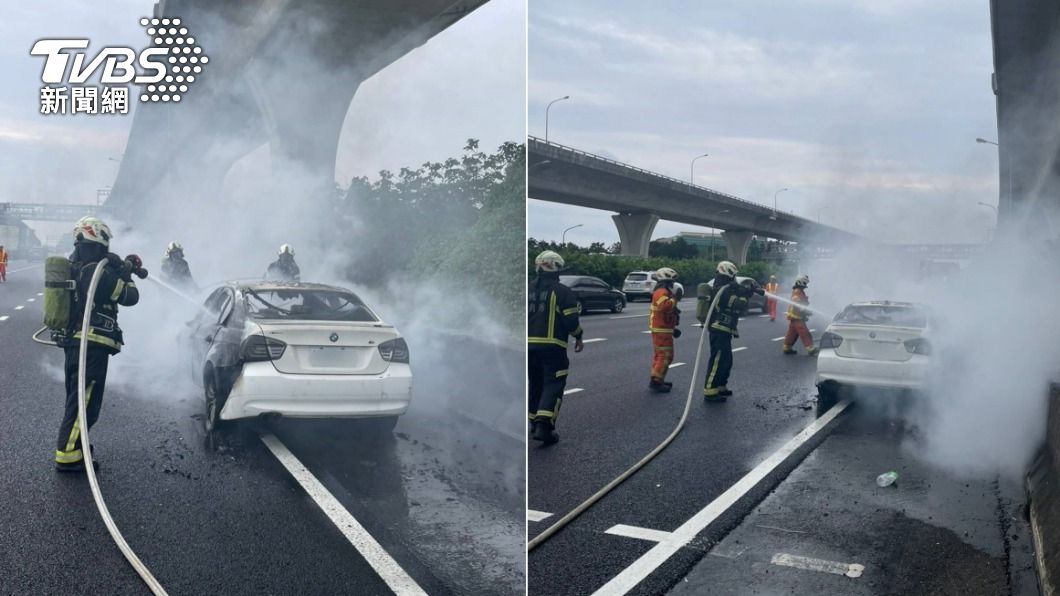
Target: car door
point(204, 327)
point(596, 290)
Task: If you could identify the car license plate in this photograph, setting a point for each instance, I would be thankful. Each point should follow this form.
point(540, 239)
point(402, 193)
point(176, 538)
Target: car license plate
point(328, 356)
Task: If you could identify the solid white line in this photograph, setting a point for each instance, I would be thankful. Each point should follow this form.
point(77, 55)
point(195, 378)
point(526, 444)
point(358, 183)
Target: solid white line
point(536, 516)
point(738, 349)
point(810, 564)
point(639, 533)
point(629, 316)
point(4, 317)
point(381, 561)
point(19, 307)
point(777, 338)
point(660, 553)
point(589, 341)
point(676, 364)
point(575, 390)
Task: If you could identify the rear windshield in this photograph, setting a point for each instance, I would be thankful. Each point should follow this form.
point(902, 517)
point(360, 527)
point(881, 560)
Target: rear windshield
point(880, 314)
point(306, 305)
point(637, 277)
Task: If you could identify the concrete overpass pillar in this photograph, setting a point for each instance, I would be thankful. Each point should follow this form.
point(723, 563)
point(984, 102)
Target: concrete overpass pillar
point(634, 232)
point(736, 243)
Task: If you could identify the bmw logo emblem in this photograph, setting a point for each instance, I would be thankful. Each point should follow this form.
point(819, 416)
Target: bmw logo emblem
point(334, 337)
point(872, 335)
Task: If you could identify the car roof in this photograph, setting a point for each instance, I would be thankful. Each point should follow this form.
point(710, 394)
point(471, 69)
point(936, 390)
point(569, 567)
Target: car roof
point(895, 303)
point(268, 286)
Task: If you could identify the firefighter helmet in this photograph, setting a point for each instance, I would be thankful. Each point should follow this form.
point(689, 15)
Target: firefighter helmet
point(773, 278)
point(286, 250)
point(666, 274)
point(92, 229)
point(549, 261)
point(174, 247)
point(727, 268)
point(802, 281)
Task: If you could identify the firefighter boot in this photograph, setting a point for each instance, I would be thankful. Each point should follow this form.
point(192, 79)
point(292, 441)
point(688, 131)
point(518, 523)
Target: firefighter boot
point(812, 351)
point(788, 350)
point(77, 466)
point(713, 395)
point(544, 432)
point(723, 391)
point(659, 386)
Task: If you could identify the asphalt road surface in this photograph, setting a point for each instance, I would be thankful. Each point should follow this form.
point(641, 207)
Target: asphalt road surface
point(442, 499)
point(691, 521)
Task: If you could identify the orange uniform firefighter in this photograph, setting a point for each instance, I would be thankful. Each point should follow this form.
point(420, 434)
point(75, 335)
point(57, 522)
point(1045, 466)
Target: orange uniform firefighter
point(797, 318)
point(3, 263)
point(772, 288)
point(662, 321)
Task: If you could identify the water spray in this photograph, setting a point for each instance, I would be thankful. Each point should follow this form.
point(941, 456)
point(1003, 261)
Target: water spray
point(797, 304)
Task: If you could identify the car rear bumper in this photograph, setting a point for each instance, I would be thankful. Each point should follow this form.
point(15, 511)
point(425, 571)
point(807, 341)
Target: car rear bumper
point(261, 389)
point(637, 293)
point(909, 374)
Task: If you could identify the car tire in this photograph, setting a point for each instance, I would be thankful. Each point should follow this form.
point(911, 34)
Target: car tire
point(827, 396)
point(581, 307)
point(214, 403)
point(618, 305)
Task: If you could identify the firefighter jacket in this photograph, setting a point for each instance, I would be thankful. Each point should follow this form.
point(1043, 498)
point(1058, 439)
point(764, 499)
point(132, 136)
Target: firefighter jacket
point(663, 314)
point(772, 287)
point(3, 256)
point(283, 269)
point(795, 313)
point(552, 313)
point(115, 288)
point(732, 301)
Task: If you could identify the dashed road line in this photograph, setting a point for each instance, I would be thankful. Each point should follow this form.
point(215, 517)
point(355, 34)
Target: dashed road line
point(536, 516)
point(687, 532)
point(676, 364)
point(734, 350)
point(388, 569)
point(4, 317)
point(31, 300)
point(639, 533)
point(629, 316)
point(811, 564)
point(575, 390)
point(19, 307)
point(595, 339)
point(777, 338)
point(40, 293)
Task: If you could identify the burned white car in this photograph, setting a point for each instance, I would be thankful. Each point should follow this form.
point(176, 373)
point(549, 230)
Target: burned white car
point(296, 350)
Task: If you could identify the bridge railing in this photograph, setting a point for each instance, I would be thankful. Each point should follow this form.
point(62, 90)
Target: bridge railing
point(47, 211)
point(749, 204)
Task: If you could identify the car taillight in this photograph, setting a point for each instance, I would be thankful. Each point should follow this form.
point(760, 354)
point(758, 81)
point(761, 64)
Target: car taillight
point(258, 347)
point(830, 340)
point(394, 350)
point(918, 346)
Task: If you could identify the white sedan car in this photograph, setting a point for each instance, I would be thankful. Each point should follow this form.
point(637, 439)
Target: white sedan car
point(874, 344)
point(298, 350)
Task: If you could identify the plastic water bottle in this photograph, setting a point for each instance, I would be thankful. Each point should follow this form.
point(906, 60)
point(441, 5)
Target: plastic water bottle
point(887, 479)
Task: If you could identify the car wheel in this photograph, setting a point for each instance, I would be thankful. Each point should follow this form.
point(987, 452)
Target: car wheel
point(214, 403)
point(827, 396)
point(618, 305)
point(581, 307)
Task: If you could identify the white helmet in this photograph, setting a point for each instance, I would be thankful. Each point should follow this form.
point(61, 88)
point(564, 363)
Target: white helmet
point(802, 281)
point(727, 268)
point(549, 261)
point(665, 274)
point(92, 229)
point(286, 250)
point(174, 247)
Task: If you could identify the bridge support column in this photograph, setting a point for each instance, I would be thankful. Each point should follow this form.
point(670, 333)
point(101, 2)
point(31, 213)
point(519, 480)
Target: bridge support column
point(736, 243)
point(634, 232)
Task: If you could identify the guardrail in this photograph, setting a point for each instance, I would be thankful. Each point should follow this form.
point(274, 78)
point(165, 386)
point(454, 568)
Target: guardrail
point(745, 202)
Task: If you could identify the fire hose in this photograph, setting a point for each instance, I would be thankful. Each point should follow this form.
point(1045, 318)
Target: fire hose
point(569, 517)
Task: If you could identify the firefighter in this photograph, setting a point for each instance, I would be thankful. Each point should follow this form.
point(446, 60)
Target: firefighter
point(772, 288)
point(662, 322)
point(175, 269)
point(797, 318)
point(730, 299)
point(552, 315)
point(91, 243)
point(3, 264)
point(284, 268)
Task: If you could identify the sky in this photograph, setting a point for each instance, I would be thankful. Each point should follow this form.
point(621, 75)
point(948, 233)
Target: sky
point(467, 82)
point(866, 110)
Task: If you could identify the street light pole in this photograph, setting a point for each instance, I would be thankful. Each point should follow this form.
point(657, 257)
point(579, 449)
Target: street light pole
point(775, 201)
point(564, 240)
point(549, 107)
point(692, 170)
point(995, 216)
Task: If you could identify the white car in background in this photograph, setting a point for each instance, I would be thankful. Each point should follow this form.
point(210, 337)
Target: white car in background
point(298, 350)
point(639, 284)
point(877, 344)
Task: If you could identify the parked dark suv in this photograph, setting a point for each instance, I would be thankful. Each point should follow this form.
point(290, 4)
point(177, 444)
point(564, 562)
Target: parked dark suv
point(594, 293)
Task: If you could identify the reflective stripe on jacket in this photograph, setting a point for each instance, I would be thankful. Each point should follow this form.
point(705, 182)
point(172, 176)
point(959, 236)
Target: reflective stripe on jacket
point(663, 317)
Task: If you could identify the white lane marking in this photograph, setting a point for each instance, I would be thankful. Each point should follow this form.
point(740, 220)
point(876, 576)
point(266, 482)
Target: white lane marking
point(660, 553)
point(4, 317)
point(676, 364)
point(810, 564)
point(575, 390)
point(26, 268)
point(629, 316)
point(697, 325)
point(813, 331)
point(19, 307)
point(589, 341)
point(761, 316)
point(738, 349)
point(646, 331)
point(40, 293)
point(31, 300)
point(639, 533)
point(777, 338)
point(381, 561)
point(536, 516)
